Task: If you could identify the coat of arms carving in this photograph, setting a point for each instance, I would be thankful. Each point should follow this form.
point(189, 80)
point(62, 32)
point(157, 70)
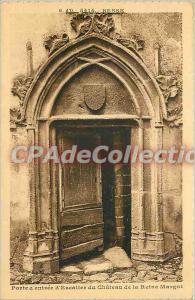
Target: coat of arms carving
point(94, 96)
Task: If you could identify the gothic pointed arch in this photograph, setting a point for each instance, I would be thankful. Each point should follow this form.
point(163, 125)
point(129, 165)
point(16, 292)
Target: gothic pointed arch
point(88, 51)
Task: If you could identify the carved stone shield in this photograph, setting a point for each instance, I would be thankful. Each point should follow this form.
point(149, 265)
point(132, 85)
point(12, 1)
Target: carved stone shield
point(94, 96)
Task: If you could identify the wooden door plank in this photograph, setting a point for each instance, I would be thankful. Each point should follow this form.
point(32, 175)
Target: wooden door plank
point(80, 235)
point(78, 249)
point(81, 217)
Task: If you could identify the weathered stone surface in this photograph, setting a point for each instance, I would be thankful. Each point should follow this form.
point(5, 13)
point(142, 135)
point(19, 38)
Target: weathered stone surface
point(168, 266)
point(36, 278)
point(27, 278)
point(151, 275)
point(97, 265)
point(60, 279)
point(170, 273)
point(166, 271)
point(136, 279)
point(71, 269)
point(113, 278)
point(96, 260)
point(99, 277)
point(172, 277)
point(76, 277)
point(23, 280)
point(181, 266)
point(131, 271)
point(118, 257)
point(117, 280)
point(145, 267)
point(13, 277)
point(177, 259)
point(178, 273)
point(92, 269)
point(141, 274)
point(123, 275)
point(160, 277)
point(48, 280)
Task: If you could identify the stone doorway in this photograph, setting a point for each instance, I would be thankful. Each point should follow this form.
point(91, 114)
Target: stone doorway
point(94, 199)
point(62, 93)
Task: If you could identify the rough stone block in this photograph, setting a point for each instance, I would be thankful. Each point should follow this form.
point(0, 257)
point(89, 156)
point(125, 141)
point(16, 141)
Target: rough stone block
point(118, 257)
point(71, 269)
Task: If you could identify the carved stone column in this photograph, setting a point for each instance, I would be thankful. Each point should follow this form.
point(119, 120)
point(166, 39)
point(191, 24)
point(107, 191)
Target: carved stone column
point(29, 59)
point(141, 235)
point(42, 253)
point(160, 247)
point(32, 241)
point(137, 232)
point(54, 196)
point(148, 238)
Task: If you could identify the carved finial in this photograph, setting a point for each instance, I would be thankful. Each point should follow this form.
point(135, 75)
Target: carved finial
point(157, 58)
point(29, 45)
point(29, 59)
point(169, 86)
point(55, 41)
point(21, 84)
point(134, 42)
point(156, 46)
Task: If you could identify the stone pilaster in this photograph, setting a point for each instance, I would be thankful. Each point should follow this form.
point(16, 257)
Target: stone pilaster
point(42, 253)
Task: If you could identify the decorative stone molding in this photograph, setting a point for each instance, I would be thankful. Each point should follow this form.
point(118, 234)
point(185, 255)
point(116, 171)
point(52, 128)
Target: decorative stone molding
point(55, 41)
point(21, 84)
point(103, 24)
point(169, 86)
point(87, 23)
point(134, 42)
point(20, 87)
point(15, 116)
point(174, 116)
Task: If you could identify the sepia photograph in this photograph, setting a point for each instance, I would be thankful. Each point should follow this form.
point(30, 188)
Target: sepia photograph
point(98, 149)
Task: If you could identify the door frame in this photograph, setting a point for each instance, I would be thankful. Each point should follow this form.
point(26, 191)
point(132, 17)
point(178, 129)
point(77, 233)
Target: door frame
point(81, 124)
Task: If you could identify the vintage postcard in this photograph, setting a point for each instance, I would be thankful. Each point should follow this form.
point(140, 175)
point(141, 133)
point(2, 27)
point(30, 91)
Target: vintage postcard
point(97, 150)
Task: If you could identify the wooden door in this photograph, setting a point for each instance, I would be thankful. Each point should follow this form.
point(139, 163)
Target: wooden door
point(81, 212)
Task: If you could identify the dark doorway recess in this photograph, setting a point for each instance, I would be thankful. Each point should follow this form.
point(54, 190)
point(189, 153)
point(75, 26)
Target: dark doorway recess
point(95, 199)
point(110, 175)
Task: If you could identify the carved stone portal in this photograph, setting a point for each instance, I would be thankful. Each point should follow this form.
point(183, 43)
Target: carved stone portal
point(91, 85)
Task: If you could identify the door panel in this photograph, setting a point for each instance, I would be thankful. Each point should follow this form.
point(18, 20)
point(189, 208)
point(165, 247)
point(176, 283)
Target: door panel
point(81, 221)
point(82, 234)
point(81, 217)
point(82, 248)
point(80, 184)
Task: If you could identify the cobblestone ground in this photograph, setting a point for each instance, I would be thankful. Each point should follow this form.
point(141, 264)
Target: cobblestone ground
point(170, 271)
